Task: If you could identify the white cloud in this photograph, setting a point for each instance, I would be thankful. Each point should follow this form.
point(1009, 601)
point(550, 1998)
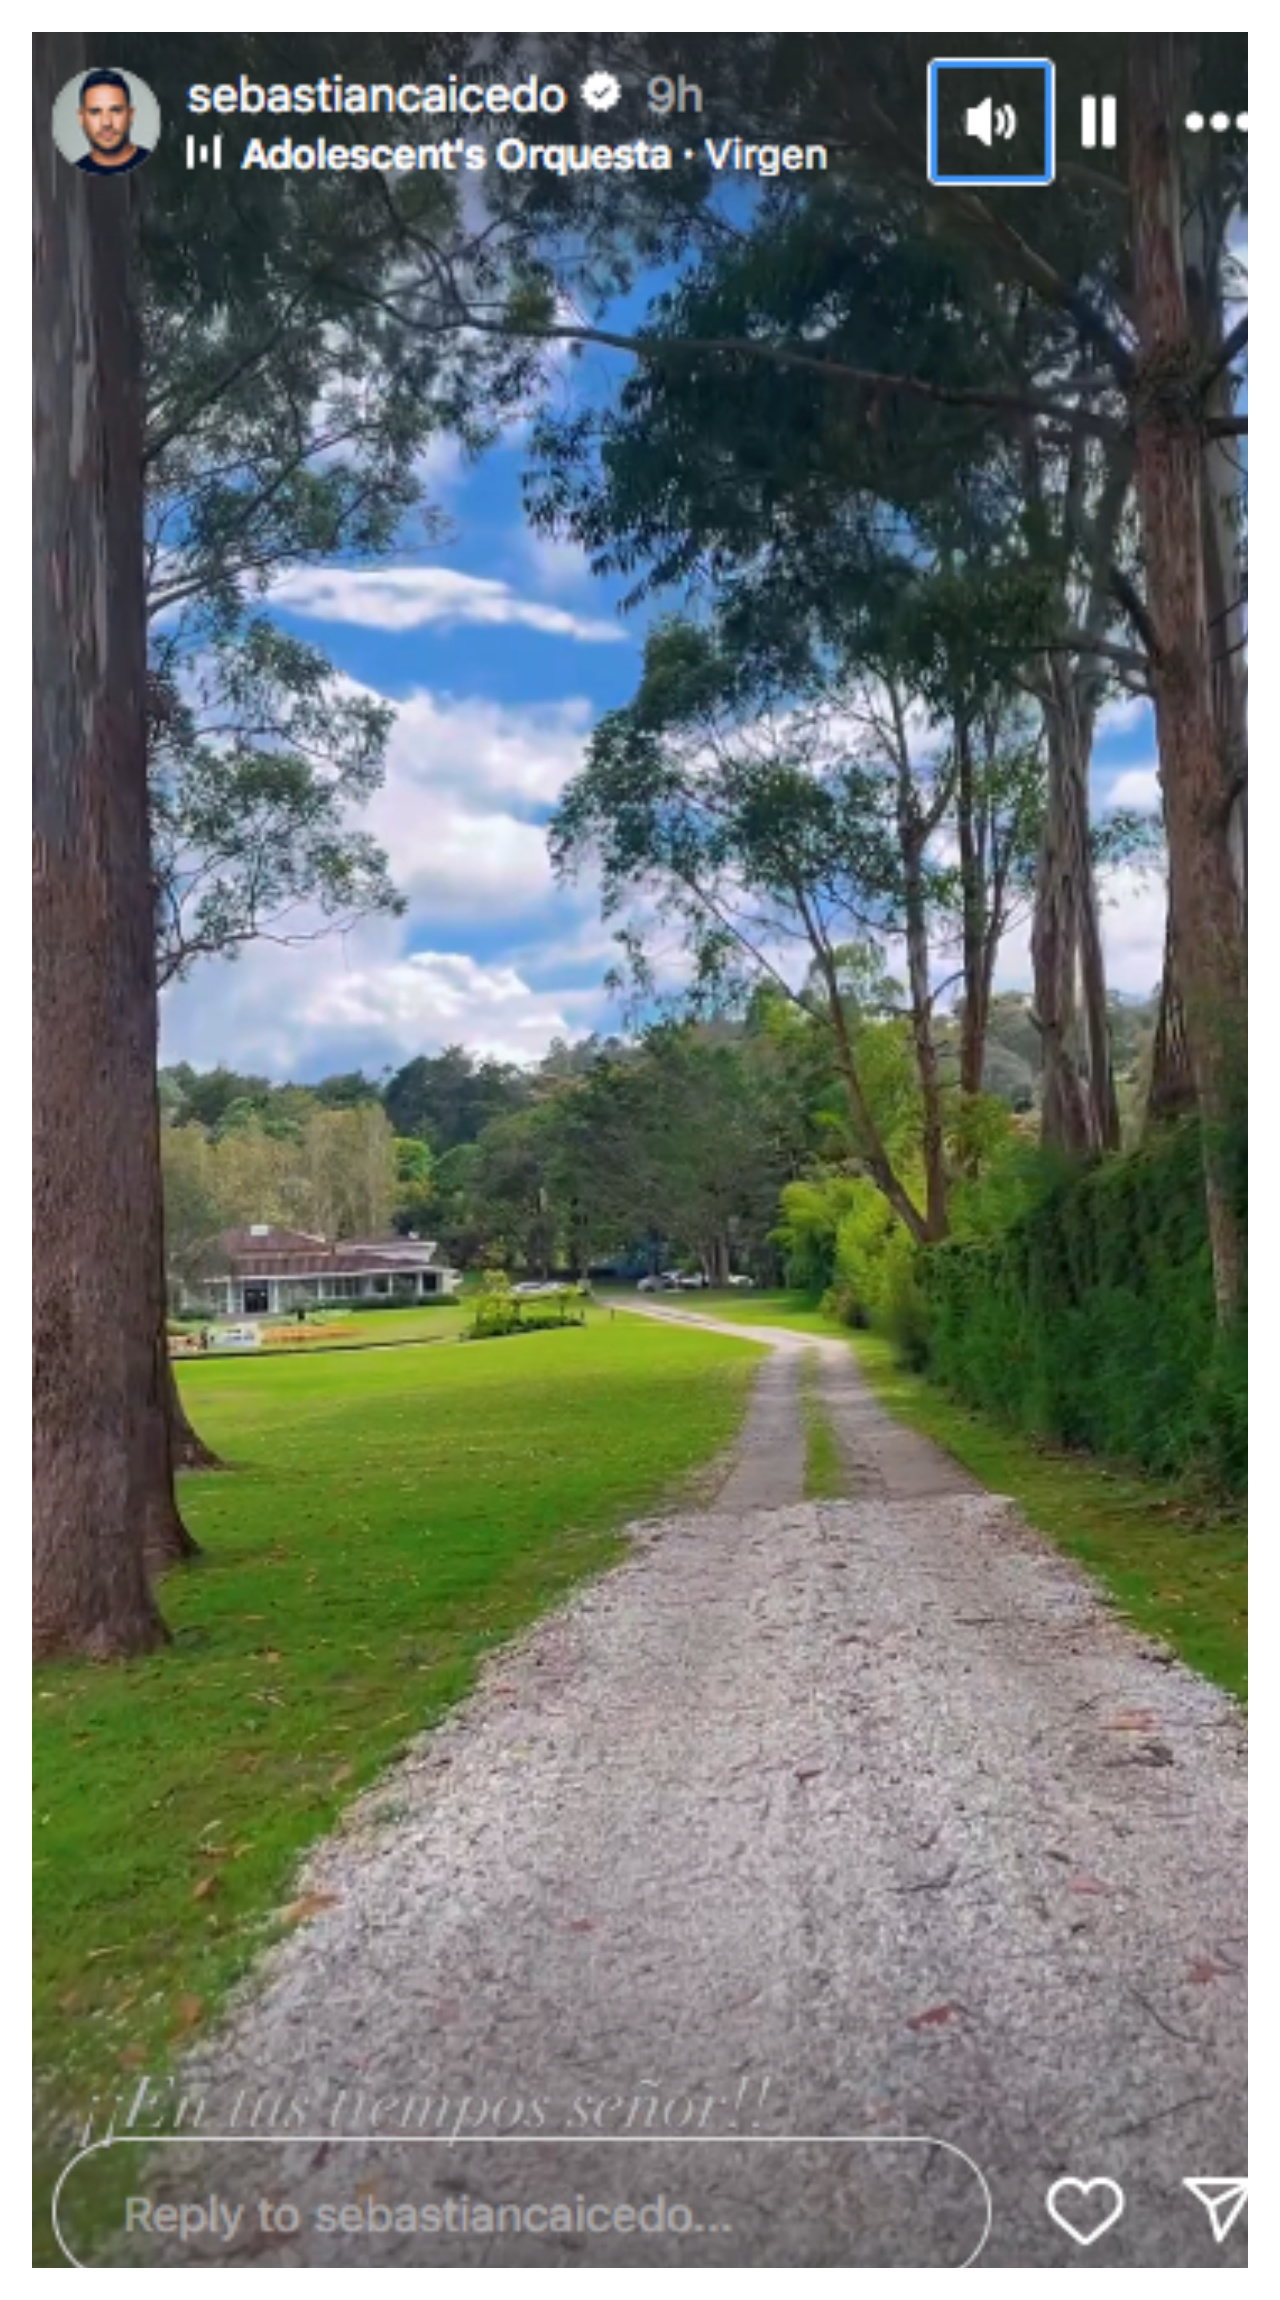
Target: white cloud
point(333, 1006)
point(406, 598)
point(1133, 912)
point(467, 743)
point(453, 863)
point(555, 561)
point(1122, 714)
point(461, 774)
point(1135, 787)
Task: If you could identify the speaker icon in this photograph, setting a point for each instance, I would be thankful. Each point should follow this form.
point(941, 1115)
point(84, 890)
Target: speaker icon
point(986, 120)
point(976, 100)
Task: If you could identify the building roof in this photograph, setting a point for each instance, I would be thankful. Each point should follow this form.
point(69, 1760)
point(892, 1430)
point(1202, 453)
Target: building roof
point(265, 1250)
point(265, 1237)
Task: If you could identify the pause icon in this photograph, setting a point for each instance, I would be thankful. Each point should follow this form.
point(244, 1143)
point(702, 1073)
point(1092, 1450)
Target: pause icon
point(1098, 122)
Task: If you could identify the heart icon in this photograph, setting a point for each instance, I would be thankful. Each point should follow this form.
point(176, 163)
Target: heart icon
point(1068, 2194)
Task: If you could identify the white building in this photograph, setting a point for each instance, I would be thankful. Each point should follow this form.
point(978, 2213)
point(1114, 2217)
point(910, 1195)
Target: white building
point(262, 1271)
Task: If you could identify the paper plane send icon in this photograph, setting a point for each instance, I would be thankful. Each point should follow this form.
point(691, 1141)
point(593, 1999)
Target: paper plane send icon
point(1223, 2200)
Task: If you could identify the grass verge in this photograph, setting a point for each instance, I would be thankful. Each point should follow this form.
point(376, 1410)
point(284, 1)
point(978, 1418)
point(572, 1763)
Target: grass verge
point(1177, 1573)
point(389, 1518)
point(824, 1475)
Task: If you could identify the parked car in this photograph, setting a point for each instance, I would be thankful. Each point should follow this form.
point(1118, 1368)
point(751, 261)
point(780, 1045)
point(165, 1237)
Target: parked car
point(737, 1280)
point(650, 1285)
point(691, 1284)
point(537, 1286)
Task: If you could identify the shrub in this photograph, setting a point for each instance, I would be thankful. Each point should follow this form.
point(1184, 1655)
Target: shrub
point(499, 1311)
point(872, 1258)
point(1089, 1319)
point(807, 1231)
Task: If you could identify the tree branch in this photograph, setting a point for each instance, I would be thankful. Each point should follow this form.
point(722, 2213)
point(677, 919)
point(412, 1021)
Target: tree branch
point(1084, 643)
point(157, 442)
point(658, 348)
point(1127, 596)
point(1232, 344)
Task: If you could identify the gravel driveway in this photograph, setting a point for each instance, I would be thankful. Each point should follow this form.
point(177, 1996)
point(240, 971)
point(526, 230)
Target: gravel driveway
point(844, 1819)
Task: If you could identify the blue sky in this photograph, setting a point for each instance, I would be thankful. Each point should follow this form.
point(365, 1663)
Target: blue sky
point(499, 649)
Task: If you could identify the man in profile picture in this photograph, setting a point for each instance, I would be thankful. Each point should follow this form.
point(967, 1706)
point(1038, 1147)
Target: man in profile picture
point(106, 117)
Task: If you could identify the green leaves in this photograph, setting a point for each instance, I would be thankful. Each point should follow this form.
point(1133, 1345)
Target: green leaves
point(257, 755)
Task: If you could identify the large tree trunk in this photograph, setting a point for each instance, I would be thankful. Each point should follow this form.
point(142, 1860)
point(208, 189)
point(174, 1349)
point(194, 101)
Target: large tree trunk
point(1204, 255)
point(970, 825)
point(166, 1541)
point(1172, 1091)
point(1172, 1088)
point(989, 849)
point(1065, 1118)
point(102, 1489)
point(1169, 431)
point(1079, 1110)
point(932, 1137)
point(1100, 1077)
point(187, 1448)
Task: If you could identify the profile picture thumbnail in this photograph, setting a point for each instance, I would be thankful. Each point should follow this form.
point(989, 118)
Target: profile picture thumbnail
point(106, 122)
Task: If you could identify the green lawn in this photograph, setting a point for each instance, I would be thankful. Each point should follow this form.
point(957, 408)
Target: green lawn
point(387, 1519)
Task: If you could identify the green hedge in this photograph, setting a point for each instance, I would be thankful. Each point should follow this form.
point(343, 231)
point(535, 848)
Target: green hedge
point(1090, 1320)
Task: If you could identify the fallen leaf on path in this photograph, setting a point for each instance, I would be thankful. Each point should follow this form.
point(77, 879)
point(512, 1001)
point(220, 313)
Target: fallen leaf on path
point(1202, 1969)
point(206, 1886)
point(582, 1924)
point(310, 1905)
point(937, 2016)
point(1131, 1721)
point(808, 1772)
point(1087, 1885)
